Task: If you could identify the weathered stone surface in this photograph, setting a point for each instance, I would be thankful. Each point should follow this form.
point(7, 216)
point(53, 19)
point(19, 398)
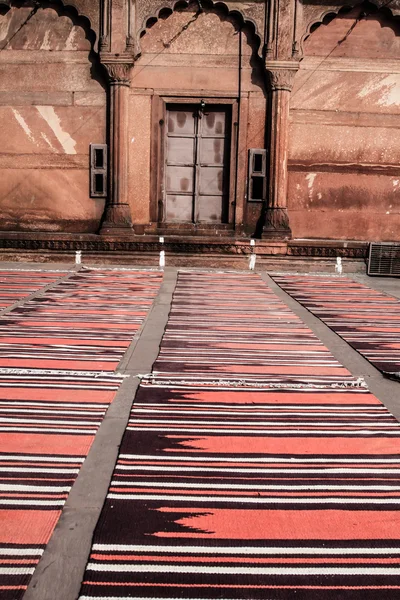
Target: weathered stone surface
point(344, 155)
point(48, 200)
point(44, 129)
point(51, 109)
point(45, 30)
point(139, 156)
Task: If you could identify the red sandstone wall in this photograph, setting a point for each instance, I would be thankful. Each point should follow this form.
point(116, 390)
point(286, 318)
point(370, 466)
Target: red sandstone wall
point(344, 161)
point(184, 55)
point(51, 109)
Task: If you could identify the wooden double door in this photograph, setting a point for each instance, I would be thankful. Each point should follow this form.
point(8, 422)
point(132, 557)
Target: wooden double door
point(197, 157)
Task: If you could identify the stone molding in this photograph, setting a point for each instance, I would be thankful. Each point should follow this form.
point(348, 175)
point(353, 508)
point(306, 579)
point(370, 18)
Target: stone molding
point(103, 42)
point(321, 251)
point(357, 251)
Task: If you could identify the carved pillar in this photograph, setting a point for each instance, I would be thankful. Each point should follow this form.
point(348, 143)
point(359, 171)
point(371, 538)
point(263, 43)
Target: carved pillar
point(281, 76)
point(118, 220)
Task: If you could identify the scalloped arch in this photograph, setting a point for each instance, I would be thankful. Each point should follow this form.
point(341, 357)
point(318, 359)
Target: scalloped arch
point(69, 9)
point(335, 13)
point(211, 5)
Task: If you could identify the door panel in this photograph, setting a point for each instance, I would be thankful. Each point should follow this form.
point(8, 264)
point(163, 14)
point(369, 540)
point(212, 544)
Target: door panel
point(211, 181)
point(180, 171)
point(181, 122)
point(179, 179)
point(212, 151)
point(212, 167)
point(214, 123)
point(179, 208)
point(180, 150)
point(210, 210)
point(196, 172)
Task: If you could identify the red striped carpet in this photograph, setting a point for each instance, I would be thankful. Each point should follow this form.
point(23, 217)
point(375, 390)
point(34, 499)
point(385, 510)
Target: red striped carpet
point(283, 483)
point(85, 323)
point(368, 320)
point(231, 327)
point(16, 285)
point(52, 404)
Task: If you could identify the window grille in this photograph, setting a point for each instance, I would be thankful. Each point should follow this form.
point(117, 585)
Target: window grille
point(384, 259)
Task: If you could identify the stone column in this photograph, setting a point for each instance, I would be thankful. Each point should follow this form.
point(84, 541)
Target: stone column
point(118, 220)
point(281, 77)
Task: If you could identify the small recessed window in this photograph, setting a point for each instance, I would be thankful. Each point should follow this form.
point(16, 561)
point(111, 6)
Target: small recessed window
point(257, 163)
point(257, 188)
point(99, 183)
point(98, 170)
point(257, 175)
point(99, 158)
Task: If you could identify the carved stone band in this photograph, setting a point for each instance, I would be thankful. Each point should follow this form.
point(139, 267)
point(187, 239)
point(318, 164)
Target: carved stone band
point(281, 74)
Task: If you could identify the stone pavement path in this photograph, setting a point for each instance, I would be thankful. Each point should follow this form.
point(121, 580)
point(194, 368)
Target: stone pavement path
point(61, 568)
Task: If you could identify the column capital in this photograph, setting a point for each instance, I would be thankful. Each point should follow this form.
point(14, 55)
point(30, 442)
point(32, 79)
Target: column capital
point(118, 67)
point(281, 73)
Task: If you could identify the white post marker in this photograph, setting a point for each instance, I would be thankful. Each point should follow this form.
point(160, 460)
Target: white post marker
point(339, 266)
point(78, 257)
point(253, 255)
point(162, 254)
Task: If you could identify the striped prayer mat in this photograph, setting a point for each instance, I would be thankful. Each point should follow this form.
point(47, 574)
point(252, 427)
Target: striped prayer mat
point(47, 425)
point(249, 489)
point(16, 285)
point(85, 323)
point(52, 404)
point(232, 327)
point(368, 320)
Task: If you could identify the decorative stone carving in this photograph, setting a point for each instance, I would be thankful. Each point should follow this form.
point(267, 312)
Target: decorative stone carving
point(118, 68)
point(281, 80)
point(296, 249)
point(281, 74)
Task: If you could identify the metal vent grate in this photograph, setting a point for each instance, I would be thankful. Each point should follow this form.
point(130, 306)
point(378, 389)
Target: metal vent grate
point(384, 259)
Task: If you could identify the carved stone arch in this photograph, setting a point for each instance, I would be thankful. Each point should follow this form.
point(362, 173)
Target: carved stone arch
point(68, 9)
point(327, 15)
point(168, 8)
point(71, 9)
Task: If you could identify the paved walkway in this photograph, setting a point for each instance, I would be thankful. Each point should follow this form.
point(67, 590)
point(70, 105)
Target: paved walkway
point(61, 569)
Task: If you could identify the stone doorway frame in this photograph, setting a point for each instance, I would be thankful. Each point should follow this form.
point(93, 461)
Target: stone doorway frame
point(158, 157)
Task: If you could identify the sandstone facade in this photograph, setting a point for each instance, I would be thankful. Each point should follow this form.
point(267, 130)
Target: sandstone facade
point(180, 94)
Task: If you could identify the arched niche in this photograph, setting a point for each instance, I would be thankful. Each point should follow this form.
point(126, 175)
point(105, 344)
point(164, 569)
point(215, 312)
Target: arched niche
point(163, 12)
point(195, 37)
point(344, 148)
point(52, 105)
point(355, 30)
